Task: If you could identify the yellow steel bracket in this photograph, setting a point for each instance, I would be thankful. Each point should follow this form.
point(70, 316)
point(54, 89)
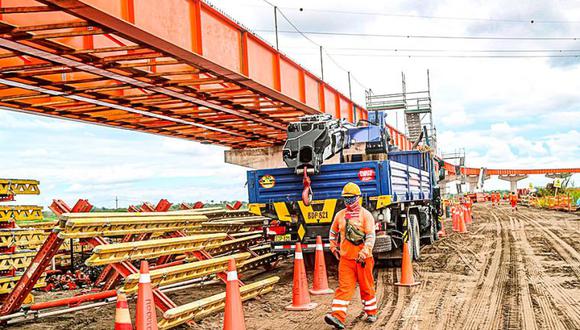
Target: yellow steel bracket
point(18, 260)
point(20, 213)
point(199, 309)
point(7, 284)
point(235, 244)
point(383, 201)
point(19, 187)
point(255, 262)
point(111, 253)
point(23, 238)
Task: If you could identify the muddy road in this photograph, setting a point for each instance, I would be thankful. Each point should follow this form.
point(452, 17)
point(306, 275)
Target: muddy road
point(511, 271)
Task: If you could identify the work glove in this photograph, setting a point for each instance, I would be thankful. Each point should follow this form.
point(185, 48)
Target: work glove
point(362, 255)
point(336, 254)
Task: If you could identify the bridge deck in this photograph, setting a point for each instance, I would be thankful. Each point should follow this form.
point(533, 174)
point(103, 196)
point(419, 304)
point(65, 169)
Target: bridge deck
point(182, 69)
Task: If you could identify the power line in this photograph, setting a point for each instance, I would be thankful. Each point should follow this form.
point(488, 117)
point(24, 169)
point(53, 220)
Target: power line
point(455, 18)
point(459, 56)
point(297, 30)
point(346, 34)
point(458, 50)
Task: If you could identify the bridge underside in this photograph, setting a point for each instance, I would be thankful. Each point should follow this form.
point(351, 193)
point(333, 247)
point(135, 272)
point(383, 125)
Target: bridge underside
point(182, 70)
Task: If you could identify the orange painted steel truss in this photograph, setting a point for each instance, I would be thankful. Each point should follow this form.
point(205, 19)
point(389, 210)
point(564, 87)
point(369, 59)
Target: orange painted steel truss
point(181, 69)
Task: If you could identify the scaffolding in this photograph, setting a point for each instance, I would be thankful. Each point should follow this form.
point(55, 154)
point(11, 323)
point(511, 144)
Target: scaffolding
point(416, 107)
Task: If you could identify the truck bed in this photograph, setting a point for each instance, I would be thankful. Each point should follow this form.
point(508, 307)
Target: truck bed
point(402, 181)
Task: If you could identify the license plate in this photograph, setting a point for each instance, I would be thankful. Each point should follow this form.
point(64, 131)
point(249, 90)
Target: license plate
point(282, 238)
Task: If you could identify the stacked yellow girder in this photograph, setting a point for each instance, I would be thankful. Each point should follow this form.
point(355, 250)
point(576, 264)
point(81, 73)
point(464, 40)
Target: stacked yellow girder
point(19, 187)
point(118, 252)
point(184, 272)
point(84, 225)
point(20, 212)
point(199, 309)
point(22, 238)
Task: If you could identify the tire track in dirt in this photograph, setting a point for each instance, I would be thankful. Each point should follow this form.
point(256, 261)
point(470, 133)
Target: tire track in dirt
point(526, 308)
point(484, 301)
point(548, 298)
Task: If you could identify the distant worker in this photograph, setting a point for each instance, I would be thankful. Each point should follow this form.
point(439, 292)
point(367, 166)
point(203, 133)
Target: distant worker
point(514, 201)
point(352, 237)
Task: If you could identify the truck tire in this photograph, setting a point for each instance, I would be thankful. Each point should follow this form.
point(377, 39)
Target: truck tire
point(414, 237)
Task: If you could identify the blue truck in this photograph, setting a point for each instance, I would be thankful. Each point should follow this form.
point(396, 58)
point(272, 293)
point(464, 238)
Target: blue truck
point(398, 189)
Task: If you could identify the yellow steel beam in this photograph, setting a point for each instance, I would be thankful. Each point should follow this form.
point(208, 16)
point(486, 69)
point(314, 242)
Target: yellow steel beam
point(8, 283)
point(235, 244)
point(110, 253)
point(40, 225)
point(98, 225)
point(20, 212)
point(18, 260)
point(224, 227)
point(256, 262)
point(22, 238)
point(19, 187)
point(180, 273)
point(261, 249)
point(201, 308)
point(251, 219)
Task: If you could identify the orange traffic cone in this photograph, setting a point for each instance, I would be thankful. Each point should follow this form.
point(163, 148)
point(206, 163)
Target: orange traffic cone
point(234, 313)
point(466, 215)
point(146, 317)
point(300, 296)
point(462, 228)
point(441, 233)
point(407, 278)
point(122, 316)
point(320, 281)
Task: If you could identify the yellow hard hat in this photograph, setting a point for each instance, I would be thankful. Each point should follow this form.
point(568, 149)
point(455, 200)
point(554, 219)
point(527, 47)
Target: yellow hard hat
point(351, 189)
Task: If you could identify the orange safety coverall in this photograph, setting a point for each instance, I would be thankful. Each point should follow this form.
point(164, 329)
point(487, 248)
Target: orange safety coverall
point(349, 270)
point(513, 200)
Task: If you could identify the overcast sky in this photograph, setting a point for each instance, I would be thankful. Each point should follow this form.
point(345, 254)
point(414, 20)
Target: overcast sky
point(505, 111)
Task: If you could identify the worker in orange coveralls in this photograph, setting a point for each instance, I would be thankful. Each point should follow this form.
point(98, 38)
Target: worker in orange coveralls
point(352, 237)
point(514, 201)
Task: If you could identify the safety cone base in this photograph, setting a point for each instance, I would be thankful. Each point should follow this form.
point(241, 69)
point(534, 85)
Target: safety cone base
point(305, 307)
point(407, 284)
point(321, 292)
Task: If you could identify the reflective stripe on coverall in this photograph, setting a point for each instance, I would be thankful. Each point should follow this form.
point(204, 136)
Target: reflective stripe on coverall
point(351, 272)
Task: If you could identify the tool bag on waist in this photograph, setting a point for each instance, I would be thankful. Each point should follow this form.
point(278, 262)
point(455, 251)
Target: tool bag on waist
point(353, 234)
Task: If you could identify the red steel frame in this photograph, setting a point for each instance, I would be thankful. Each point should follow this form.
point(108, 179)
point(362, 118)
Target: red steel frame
point(127, 64)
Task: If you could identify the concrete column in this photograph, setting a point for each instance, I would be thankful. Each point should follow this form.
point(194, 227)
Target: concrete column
point(472, 181)
point(513, 180)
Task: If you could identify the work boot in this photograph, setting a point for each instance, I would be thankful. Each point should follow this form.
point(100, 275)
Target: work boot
point(332, 320)
point(371, 319)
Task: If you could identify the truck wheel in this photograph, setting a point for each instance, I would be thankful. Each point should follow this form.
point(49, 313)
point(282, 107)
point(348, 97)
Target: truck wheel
point(414, 237)
point(431, 235)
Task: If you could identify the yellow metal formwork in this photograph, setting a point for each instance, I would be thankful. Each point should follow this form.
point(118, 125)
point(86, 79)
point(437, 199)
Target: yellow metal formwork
point(110, 253)
point(20, 212)
point(23, 238)
point(201, 308)
point(232, 226)
point(18, 260)
point(19, 187)
point(180, 273)
point(255, 262)
point(7, 284)
point(84, 226)
point(235, 244)
point(40, 225)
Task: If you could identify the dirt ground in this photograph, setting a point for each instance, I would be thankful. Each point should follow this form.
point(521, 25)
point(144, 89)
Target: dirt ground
point(511, 271)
